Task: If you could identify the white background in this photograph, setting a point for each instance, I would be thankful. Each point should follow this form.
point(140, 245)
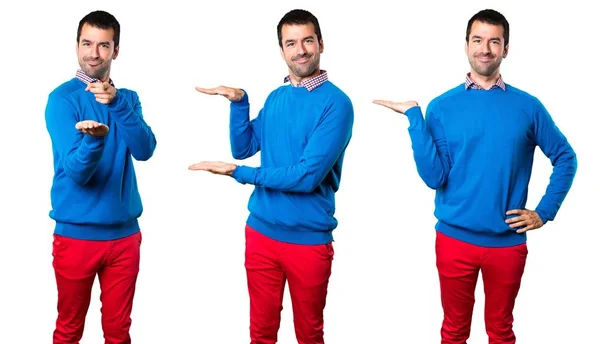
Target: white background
point(384, 287)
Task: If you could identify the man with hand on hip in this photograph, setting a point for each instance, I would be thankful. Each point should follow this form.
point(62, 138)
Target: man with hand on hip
point(302, 132)
point(475, 147)
point(96, 131)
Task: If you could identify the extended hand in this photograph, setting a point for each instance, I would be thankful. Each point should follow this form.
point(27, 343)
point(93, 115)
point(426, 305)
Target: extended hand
point(528, 219)
point(215, 167)
point(92, 128)
point(396, 106)
point(233, 94)
point(104, 92)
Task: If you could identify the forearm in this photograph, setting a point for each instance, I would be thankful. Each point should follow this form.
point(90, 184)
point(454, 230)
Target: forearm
point(81, 163)
point(77, 154)
point(243, 139)
point(433, 168)
point(295, 178)
point(561, 179)
point(138, 136)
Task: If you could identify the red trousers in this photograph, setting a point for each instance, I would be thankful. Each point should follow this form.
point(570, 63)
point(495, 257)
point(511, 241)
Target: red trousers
point(76, 263)
point(306, 268)
point(458, 265)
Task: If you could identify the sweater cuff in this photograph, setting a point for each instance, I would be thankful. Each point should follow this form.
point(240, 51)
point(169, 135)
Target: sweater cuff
point(118, 103)
point(93, 142)
point(242, 102)
point(415, 115)
point(542, 216)
point(245, 174)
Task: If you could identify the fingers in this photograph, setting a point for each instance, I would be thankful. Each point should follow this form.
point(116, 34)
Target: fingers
point(516, 219)
point(386, 103)
point(211, 91)
point(92, 128)
point(523, 230)
point(215, 167)
point(221, 90)
point(95, 88)
point(521, 224)
point(516, 211)
point(227, 92)
point(198, 167)
point(88, 124)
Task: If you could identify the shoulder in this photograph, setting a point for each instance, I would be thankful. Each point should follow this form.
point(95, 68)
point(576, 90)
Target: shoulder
point(333, 96)
point(520, 95)
point(449, 95)
point(67, 88)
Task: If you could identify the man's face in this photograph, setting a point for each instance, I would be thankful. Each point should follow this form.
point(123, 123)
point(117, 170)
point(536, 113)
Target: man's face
point(301, 49)
point(96, 50)
point(485, 48)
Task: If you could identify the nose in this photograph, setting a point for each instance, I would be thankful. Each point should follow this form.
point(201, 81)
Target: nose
point(485, 48)
point(300, 50)
point(94, 51)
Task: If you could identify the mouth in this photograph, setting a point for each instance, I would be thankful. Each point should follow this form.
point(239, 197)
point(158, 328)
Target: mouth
point(484, 59)
point(302, 60)
point(93, 63)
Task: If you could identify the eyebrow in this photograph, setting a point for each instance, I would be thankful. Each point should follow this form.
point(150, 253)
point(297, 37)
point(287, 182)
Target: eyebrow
point(88, 41)
point(491, 39)
point(305, 38)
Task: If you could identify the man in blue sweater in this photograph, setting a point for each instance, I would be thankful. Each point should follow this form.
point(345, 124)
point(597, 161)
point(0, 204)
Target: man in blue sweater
point(302, 133)
point(96, 130)
point(475, 147)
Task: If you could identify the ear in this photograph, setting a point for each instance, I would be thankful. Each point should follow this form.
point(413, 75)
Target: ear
point(116, 53)
point(281, 53)
point(505, 51)
point(321, 46)
point(467, 48)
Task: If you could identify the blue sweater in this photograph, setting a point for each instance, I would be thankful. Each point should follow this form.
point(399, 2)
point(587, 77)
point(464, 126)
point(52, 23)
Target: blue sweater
point(302, 137)
point(476, 149)
point(94, 192)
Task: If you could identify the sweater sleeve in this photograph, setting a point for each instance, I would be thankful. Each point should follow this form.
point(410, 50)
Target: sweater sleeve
point(138, 135)
point(555, 146)
point(430, 149)
point(244, 134)
point(78, 154)
point(324, 147)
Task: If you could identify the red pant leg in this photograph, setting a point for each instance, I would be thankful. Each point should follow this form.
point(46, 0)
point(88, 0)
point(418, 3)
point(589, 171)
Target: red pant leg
point(75, 265)
point(117, 279)
point(266, 284)
point(308, 268)
point(501, 270)
point(458, 269)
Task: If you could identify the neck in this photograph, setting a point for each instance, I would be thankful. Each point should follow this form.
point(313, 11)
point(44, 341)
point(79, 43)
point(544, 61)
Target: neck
point(486, 81)
point(105, 77)
point(295, 80)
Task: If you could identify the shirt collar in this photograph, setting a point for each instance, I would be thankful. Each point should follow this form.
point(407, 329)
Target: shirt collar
point(311, 83)
point(88, 79)
point(470, 83)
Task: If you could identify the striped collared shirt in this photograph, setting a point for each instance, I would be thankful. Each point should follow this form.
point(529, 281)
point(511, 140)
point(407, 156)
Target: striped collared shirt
point(311, 83)
point(87, 79)
point(470, 83)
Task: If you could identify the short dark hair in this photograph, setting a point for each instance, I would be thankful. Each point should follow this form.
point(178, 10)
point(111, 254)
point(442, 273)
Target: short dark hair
point(102, 20)
point(490, 17)
point(298, 17)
